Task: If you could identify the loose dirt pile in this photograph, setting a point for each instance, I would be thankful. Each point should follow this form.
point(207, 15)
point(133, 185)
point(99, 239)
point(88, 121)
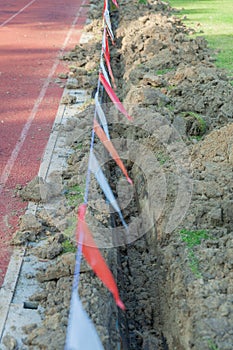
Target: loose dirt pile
point(175, 275)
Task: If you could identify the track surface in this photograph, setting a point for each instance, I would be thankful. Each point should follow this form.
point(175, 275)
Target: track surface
point(33, 35)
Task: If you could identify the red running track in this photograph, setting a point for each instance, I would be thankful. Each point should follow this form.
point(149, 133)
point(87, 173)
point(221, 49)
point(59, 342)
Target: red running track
point(33, 35)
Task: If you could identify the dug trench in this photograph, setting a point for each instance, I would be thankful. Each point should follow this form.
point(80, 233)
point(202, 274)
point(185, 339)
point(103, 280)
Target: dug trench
point(174, 266)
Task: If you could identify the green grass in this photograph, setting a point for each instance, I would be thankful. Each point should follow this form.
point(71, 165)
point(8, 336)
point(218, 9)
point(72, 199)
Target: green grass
point(170, 107)
point(79, 146)
point(200, 120)
point(194, 264)
point(212, 345)
point(215, 21)
point(164, 71)
point(171, 87)
point(68, 247)
point(198, 138)
point(75, 195)
point(193, 239)
point(162, 157)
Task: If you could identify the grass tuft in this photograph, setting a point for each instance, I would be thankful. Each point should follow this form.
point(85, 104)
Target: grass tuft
point(68, 247)
point(164, 71)
point(214, 20)
point(162, 157)
point(75, 195)
point(193, 239)
point(212, 345)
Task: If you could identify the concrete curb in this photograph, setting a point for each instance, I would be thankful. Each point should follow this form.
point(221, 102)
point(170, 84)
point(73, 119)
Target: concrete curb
point(9, 285)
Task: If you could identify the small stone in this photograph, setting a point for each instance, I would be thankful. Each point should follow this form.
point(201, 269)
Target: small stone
point(29, 222)
point(63, 267)
point(216, 216)
point(29, 328)
point(32, 191)
point(72, 84)
point(91, 65)
point(10, 342)
point(153, 80)
point(68, 100)
point(29, 275)
point(63, 75)
point(54, 250)
point(21, 238)
point(39, 296)
point(224, 310)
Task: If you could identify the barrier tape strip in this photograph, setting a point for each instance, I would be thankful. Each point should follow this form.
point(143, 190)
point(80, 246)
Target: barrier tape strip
point(115, 3)
point(106, 52)
point(105, 74)
point(114, 97)
point(101, 115)
point(111, 149)
point(78, 318)
point(101, 179)
point(81, 333)
point(94, 257)
point(108, 24)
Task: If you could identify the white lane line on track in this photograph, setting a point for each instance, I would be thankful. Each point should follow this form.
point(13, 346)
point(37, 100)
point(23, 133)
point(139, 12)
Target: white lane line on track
point(7, 170)
point(16, 14)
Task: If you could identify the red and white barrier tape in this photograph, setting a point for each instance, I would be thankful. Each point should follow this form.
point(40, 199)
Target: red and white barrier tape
point(81, 333)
